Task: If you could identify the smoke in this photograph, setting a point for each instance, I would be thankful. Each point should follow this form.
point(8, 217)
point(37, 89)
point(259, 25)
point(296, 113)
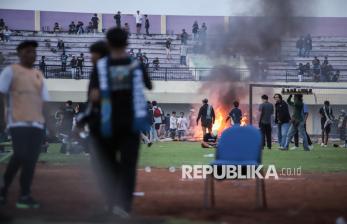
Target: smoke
point(250, 42)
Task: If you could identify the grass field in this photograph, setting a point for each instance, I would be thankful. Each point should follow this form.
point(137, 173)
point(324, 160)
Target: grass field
point(167, 154)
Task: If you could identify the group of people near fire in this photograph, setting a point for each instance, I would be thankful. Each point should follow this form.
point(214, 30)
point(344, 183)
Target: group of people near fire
point(288, 126)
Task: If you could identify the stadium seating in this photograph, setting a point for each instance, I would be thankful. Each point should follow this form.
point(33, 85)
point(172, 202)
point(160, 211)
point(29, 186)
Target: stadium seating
point(153, 46)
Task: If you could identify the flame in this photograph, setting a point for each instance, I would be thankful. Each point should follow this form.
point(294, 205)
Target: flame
point(220, 123)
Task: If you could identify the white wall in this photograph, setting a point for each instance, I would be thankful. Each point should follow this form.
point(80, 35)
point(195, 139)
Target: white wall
point(318, 8)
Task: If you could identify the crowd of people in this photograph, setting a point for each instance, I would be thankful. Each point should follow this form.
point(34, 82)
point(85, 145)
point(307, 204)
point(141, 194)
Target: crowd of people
point(319, 72)
point(289, 126)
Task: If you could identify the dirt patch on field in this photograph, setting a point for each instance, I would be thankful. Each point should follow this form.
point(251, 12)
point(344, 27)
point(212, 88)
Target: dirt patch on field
point(70, 193)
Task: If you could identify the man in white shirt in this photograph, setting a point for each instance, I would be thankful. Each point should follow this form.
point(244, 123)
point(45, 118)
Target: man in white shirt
point(26, 94)
point(138, 20)
point(182, 125)
point(173, 125)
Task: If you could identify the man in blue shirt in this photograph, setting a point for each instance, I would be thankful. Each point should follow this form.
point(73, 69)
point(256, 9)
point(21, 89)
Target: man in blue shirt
point(235, 114)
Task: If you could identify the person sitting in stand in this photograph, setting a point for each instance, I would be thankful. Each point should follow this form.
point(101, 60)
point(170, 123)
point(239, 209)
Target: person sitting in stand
point(61, 45)
point(126, 28)
point(89, 28)
point(139, 54)
point(131, 53)
point(156, 64)
point(56, 27)
point(79, 27)
point(72, 28)
point(336, 76)
point(145, 60)
point(210, 140)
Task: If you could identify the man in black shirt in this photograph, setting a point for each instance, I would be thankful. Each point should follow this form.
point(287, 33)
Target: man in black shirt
point(235, 114)
point(209, 140)
point(207, 116)
point(63, 59)
point(147, 25)
point(42, 64)
point(72, 28)
point(117, 17)
point(80, 62)
point(282, 119)
point(116, 90)
point(95, 21)
point(327, 118)
point(184, 37)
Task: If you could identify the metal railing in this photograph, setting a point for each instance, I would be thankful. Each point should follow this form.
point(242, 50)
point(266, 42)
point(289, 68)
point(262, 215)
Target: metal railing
point(190, 74)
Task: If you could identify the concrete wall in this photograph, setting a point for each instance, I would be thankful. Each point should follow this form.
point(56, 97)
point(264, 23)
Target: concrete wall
point(18, 19)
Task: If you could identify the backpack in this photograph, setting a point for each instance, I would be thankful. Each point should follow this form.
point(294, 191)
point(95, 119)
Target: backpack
point(157, 112)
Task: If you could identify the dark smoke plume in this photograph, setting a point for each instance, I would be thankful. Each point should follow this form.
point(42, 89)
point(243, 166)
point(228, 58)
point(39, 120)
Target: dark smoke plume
point(257, 40)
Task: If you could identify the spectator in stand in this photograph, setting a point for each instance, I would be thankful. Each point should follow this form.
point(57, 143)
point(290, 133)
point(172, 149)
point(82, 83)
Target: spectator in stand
point(307, 68)
point(330, 71)
point(73, 65)
point(138, 20)
point(131, 53)
point(139, 54)
point(301, 72)
point(2, 24)
point(7, 34)
point(61, 45)
point(300, 46)
point(316, 69)
point(156, 64)
point(117, 17)
point(147, 25)
point(145, 60)
point(307, 45)
point(95, 22)
point(80, 63)
point(63, 59)
point(324, 73)
point(182, 126)
point(195, 30)
point(202, 32)
point(126, 28)
point(1, 35)
point(79, 27)
point(72, 27)
point(168, 49)
point(326, 61)
point(184, 37)
point(56, 28)
point(336, 76)
point(42, 64)
point(89, 28)
point(183, 54)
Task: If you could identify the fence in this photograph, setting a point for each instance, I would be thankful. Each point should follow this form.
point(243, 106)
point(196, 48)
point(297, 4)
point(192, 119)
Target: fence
point(186, 74)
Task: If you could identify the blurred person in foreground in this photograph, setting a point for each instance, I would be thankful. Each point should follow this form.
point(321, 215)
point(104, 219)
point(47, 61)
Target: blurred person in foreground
point(117, 91)
point(26, 92)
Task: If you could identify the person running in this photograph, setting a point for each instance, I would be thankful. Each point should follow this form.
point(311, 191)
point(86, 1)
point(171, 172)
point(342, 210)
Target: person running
point(122, 118)
point(207, 116)
point(25, 120)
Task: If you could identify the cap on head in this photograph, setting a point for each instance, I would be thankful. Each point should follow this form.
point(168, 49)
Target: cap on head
point(27, 43)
